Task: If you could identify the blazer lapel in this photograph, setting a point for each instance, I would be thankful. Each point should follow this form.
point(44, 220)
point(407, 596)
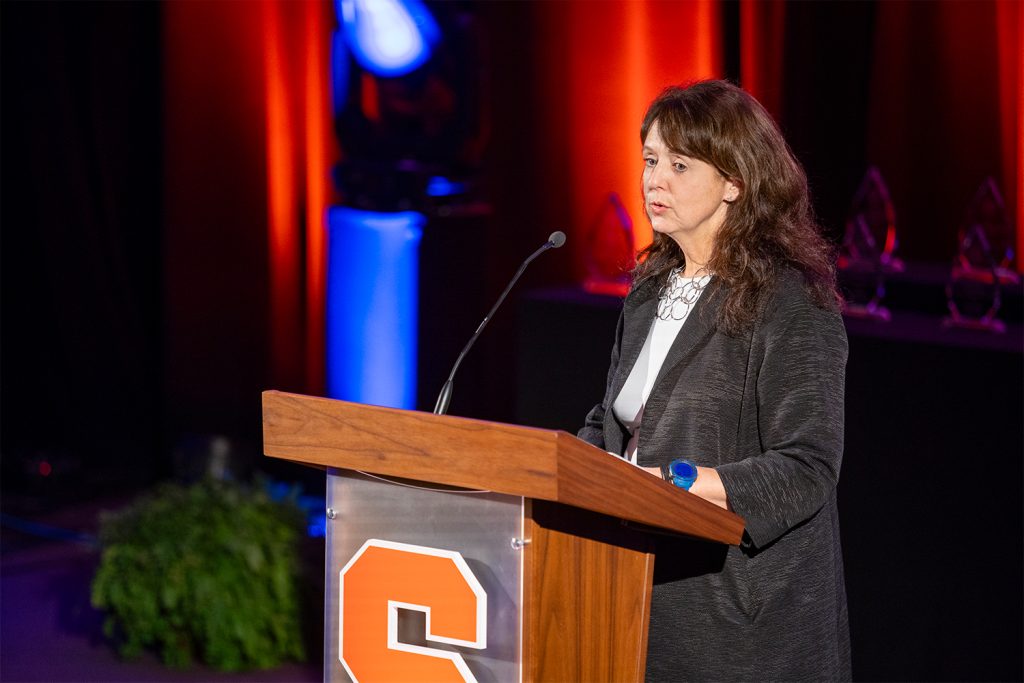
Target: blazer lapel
point(699, 325)
point(636, 325)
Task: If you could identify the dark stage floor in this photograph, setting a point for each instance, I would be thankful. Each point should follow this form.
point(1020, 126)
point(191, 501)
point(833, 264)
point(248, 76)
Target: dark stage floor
point(50, 632)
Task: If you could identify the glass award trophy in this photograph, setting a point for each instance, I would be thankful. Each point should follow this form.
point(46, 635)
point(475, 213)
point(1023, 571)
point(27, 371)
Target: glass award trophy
point(983, 264)
point(610, 250)
point(867, 254)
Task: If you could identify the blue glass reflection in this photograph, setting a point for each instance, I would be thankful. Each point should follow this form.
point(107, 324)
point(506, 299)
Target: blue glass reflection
point(439, 186)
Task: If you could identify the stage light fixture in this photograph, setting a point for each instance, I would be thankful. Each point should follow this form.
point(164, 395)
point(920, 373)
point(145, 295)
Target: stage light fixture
point(388, 38)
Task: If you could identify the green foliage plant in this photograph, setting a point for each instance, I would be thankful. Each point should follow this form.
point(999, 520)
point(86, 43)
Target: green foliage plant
point(208, 572)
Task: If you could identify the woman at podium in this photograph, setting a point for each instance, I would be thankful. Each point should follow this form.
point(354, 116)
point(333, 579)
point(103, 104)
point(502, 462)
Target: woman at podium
point(726, 378)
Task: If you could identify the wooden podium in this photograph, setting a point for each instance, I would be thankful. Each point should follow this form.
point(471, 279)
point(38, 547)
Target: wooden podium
point(552, 529)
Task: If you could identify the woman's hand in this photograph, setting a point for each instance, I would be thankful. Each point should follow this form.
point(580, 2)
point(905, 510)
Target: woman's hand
point(708, 485)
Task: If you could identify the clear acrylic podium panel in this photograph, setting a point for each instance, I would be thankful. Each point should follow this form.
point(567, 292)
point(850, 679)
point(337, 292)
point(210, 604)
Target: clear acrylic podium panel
point(481, 526)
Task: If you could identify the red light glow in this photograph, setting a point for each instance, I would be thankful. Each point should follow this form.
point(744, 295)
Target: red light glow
point(762, 33)
point(1010, 23)
point(619, 56)
point(300, 149)
point(319, 143)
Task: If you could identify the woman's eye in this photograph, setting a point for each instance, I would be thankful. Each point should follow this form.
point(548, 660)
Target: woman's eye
point(679, 166)
point(649, 161)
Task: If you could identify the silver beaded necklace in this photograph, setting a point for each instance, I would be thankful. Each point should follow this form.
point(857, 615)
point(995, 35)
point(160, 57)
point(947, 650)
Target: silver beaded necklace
point(679, 294)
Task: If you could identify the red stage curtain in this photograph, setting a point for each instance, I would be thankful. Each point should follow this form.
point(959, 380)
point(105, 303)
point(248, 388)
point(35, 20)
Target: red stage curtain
point(945, 100)
point(601, 64)
point(1010, 22)
point(762, 37)
point(248, 151)
point(300, 150)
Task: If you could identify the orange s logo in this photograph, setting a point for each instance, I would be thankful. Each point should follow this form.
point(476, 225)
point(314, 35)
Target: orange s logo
point(384, 576)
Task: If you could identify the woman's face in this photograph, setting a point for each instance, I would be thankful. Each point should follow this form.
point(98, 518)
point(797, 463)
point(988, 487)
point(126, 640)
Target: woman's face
point(685, 198)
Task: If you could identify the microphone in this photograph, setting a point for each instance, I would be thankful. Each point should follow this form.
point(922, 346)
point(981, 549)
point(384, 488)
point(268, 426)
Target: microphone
point(555, 240)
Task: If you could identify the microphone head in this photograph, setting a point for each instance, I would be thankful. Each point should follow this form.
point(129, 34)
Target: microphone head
point(556, 239)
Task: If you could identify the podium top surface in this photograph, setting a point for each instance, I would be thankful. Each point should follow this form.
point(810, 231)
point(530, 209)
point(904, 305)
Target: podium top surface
point(522, 461)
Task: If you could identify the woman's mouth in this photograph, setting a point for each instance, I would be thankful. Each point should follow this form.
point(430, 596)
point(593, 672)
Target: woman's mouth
point(656, 208)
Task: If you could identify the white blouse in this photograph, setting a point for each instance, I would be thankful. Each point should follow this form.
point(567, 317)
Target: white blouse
point(629, 404)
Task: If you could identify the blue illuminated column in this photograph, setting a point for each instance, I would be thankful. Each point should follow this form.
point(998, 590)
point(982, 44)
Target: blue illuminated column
point(372, 306)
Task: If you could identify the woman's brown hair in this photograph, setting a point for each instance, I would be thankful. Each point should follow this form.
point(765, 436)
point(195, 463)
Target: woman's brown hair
point(769, 227)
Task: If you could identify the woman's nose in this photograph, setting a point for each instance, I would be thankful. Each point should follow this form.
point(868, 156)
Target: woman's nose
point(656, 175)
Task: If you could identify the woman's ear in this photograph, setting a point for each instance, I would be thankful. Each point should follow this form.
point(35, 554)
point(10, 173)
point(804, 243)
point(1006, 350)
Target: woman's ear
point(732, 190)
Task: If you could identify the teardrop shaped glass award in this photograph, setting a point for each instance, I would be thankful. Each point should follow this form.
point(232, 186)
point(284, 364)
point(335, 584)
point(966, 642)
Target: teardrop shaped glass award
point(983, 264)
point(868, 250)
point(610, 250)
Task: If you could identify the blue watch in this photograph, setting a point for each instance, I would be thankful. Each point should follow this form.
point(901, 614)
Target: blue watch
point(681, 472)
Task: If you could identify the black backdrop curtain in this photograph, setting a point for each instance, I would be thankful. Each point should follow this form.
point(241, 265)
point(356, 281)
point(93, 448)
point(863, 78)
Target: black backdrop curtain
point(80, 244)
point(923, 90)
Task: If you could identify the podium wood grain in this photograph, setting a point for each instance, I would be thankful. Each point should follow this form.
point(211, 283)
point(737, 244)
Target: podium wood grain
point(587, 588)
point(534, 463)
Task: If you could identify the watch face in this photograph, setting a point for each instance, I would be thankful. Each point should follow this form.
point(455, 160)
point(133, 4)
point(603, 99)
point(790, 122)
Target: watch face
point(684, 469)
point(683, 472)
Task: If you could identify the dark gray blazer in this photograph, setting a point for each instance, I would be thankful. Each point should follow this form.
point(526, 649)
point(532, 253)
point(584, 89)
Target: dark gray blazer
point(766, 410)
